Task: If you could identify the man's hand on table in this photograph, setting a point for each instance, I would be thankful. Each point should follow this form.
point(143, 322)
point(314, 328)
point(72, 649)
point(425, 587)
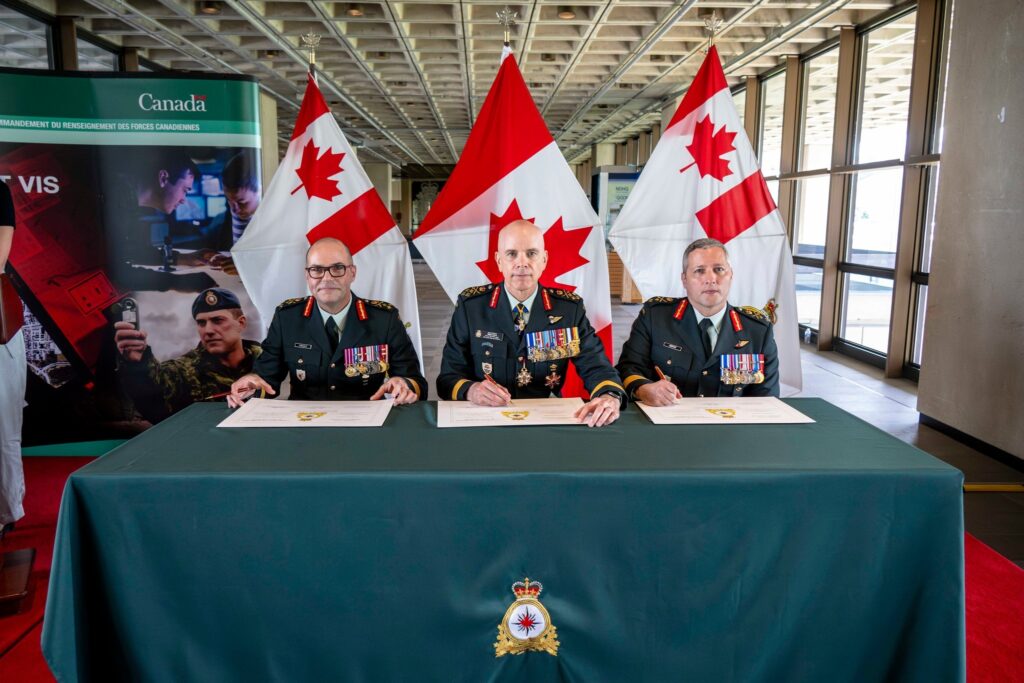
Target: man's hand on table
point(246, 386)
point(599, 411)
point(399, 390)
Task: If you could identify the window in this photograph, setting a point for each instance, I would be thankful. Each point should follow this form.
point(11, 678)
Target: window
point(773, 91)
point(24, 41)
point(819, 111)
point(885, 90)
point(867, 305)
point(875, 218)
point(739, 100)
point(92, 57)
point(808, 295)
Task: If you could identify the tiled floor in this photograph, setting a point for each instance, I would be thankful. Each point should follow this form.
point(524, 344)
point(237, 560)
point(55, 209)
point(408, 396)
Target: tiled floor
point(995, 518)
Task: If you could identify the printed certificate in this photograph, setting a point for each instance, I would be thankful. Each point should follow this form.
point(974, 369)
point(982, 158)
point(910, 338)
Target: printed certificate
point(265, 412)
point(741, 410)
point(529, 411)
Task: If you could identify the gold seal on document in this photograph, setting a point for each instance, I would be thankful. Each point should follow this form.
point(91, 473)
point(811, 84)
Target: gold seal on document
point(726, 413)
point(308, 416)
point(516, 415)
point(526, 625)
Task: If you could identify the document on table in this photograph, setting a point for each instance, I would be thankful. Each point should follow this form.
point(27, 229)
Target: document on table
point(742, 410)
point(264, 412)
point(529, 411)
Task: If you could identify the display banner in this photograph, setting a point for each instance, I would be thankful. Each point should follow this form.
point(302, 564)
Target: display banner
point(129, 192)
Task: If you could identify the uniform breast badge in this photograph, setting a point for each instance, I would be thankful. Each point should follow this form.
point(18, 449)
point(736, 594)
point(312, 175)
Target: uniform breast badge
point(300, 375)
point(523, 377)
point(526, 625)
point(552, 380)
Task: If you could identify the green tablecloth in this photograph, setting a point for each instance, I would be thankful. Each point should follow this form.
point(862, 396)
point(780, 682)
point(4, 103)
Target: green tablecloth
point(822, 552)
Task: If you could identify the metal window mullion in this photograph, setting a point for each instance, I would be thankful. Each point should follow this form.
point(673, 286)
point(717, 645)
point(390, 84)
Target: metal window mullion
point(838, 186)
point(920, 117)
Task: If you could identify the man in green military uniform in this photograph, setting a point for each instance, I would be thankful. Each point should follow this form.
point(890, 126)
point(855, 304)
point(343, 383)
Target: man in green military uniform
point(207, 371)
point(700, 345)
point(334, 345)
point(516, 339)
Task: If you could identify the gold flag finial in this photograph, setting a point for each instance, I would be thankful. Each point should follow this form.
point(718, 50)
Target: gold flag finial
point(507, 18)
point(311, 41)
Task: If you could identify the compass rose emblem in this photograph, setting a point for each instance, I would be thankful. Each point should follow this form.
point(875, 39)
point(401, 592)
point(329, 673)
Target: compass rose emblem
point(526, 624)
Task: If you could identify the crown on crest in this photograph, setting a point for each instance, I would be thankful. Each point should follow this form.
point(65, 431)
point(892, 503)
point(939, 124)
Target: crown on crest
point(527, 588)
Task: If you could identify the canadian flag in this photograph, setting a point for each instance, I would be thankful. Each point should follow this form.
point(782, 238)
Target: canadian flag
point(511, 168)
point(703, 180)
point(321, 190)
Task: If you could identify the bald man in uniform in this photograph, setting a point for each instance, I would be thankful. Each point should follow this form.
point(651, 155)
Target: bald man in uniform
point(516, 339)
point(335, 345)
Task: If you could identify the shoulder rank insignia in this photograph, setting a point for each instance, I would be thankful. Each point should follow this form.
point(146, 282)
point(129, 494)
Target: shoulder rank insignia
point(291, 302)
point(361, 310)
point(470, 292)
point(654, 300)
point(564, 294)
point(758, 314)
point(526, 624)
point(382, 305)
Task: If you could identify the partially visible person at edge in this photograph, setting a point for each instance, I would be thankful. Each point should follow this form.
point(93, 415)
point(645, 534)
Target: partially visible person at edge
point(13, 376)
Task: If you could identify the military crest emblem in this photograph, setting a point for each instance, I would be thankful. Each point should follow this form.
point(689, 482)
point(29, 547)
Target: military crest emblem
point(526, 625)
point(309, 416)
point(726, 413)
point(516, 415)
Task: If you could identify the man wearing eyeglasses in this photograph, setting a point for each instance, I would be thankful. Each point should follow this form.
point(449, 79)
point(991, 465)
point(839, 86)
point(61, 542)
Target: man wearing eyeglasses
point(334, 345)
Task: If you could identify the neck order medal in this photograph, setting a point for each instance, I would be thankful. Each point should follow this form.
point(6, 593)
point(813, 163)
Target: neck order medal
point(526, 624)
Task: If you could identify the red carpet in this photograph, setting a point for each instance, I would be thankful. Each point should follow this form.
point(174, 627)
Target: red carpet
point(995, 591)
point(20, 657)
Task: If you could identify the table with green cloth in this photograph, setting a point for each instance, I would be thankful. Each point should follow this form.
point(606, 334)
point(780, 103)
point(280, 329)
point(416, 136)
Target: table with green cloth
point(801, 552)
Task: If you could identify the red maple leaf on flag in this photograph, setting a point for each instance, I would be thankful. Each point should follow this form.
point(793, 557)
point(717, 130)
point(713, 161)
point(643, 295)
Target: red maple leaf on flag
point(315, 173)
point(563, 247)
point(707, 148)
point(563, 252)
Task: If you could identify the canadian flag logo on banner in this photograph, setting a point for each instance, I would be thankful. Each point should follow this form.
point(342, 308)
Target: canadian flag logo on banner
point(321, 190)
point(703, 180)
point(512, 168)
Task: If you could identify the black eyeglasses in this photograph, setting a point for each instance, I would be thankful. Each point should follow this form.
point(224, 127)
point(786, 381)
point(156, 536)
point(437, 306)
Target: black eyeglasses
point(335, 269)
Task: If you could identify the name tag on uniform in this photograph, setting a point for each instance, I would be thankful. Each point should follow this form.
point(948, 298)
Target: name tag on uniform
point(674, 347)
point(299, 345)
point(493, 336)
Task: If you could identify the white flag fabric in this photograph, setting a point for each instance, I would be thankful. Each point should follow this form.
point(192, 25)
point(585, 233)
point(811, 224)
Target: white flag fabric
point(511, 168)
point(703, 180)
point(321, 190)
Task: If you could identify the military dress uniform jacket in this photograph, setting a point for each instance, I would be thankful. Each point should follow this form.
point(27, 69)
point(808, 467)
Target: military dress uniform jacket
point(159, 390)
point(666, 334)
point(483, 332)
point(297, 346)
